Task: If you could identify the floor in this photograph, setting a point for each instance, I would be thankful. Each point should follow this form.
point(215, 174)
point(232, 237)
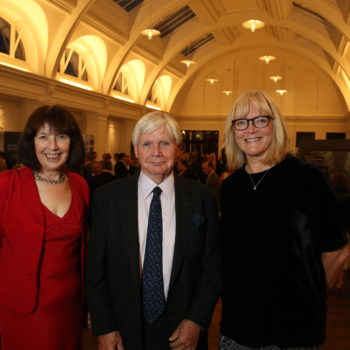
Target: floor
point(338, 322)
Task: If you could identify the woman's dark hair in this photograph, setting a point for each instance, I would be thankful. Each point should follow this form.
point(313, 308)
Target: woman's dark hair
point(61, 121)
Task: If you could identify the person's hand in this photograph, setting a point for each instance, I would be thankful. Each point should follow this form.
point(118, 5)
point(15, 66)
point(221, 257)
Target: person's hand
point(185, 336)
point(110, 341)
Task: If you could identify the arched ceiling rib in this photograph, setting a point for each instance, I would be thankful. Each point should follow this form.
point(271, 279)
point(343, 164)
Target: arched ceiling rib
point(318, 30)
point(292, 23)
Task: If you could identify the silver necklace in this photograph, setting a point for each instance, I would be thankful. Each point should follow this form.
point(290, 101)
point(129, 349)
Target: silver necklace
point(255, 185)
point(38, 177)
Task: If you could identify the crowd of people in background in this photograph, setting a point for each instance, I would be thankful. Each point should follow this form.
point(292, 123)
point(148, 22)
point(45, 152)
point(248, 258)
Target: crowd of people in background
point(207, 169)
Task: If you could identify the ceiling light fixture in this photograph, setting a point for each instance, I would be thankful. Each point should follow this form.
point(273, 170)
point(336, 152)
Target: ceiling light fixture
point(253, 24)
point(227, 92)
point(211, 80)
point(275, 78)
point(150, 33)
point(267, 58)
point(188, 63)
point(281, 91)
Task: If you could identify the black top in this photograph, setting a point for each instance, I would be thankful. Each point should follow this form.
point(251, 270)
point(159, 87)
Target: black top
point(272, 241)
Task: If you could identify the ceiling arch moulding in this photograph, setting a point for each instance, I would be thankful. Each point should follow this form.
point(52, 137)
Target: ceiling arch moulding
point(312, 15)
point(228, 24)
point(316, 38)
point(99, 17)
point(141, 21)
point(331, 14)
point(276, 8)
point(291, 25)
point(67, 5)
point(264, 44)
point(344, 7)
point(63, 35)
point(283, 35)
point(171, 53)
point(226, 36)
point(207, 11)
point(284, 29)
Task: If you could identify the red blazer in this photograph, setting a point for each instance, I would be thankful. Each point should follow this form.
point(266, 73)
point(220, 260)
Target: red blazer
point(21, 236)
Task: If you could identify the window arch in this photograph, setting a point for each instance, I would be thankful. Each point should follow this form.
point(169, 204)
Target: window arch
point(121, 83)
point(10, 41)
point(73, 64)
point(130, 79)
point(160, 91)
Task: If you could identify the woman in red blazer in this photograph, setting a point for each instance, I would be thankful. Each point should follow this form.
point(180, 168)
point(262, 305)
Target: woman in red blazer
point(43, 208)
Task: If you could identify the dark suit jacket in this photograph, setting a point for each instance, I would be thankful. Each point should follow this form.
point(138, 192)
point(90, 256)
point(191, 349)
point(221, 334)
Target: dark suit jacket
point(113, 271)
point(213, 182)
point(120, 170)
point(97, 181)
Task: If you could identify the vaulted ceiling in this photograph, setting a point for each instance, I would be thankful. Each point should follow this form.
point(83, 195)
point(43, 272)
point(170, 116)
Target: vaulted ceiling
point(205, 31)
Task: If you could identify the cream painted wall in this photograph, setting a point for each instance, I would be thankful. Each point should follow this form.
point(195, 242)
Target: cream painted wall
point(119, 134)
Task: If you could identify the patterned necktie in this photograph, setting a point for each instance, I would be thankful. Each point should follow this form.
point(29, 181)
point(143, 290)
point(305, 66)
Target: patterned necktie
point(152, 273)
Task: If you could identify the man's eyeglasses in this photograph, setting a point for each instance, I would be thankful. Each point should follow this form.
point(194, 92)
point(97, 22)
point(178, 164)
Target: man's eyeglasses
point(260, 122)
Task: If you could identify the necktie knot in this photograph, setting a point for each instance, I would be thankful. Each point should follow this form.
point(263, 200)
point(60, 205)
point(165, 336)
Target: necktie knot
point(156, 192)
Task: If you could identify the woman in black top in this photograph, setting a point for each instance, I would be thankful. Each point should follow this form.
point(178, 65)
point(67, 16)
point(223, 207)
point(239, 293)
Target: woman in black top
point(282, 241)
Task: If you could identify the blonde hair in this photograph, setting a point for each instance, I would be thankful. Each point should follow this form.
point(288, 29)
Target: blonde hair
point(280, 145)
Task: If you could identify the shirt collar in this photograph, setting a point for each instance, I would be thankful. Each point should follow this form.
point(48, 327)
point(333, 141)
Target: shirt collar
point(146, 185)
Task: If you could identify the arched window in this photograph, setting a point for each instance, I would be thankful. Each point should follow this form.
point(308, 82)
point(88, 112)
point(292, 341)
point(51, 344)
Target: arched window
point(74, 65)
point(160, 90)
point(121, 83)
point(153, 94)
point(10, 41)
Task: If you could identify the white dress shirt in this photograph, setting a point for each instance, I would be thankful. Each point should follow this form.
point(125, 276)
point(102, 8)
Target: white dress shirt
point(167, 199)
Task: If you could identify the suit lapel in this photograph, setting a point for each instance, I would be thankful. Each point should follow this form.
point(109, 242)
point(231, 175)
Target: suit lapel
point(183, 223)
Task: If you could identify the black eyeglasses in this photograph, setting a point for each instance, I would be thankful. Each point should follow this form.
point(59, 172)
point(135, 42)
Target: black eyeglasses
point(260, 122)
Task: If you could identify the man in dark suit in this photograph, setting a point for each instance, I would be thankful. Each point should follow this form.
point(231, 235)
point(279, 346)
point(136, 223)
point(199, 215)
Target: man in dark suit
point(213, 180)
point(123, 167)
point(174, 310)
